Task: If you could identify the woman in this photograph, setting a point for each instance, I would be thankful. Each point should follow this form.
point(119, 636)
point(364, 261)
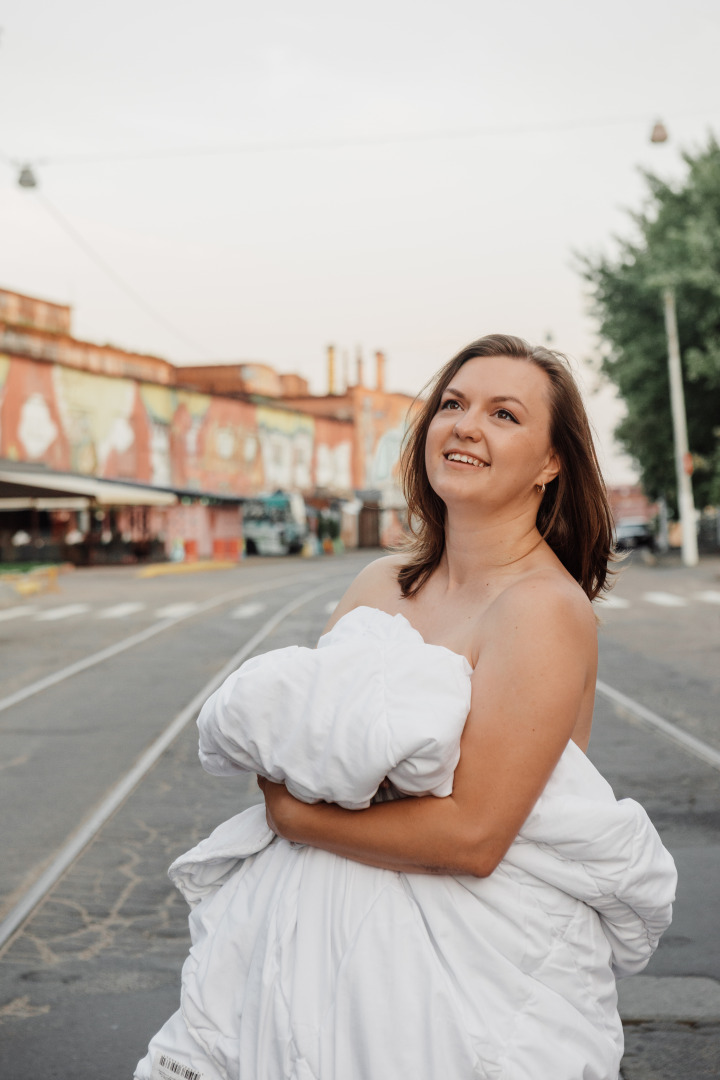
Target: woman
point(490, 950)
point(514, 538)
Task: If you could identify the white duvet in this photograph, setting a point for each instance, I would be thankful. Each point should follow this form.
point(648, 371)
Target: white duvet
point(308, 966)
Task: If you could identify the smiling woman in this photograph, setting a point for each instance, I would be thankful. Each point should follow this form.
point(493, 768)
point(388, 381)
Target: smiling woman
point(573, 514)
point(346, 929)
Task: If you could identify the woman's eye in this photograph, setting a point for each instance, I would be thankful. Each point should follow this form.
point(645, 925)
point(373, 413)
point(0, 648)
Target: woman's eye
point(506, 414)
point(451, 403)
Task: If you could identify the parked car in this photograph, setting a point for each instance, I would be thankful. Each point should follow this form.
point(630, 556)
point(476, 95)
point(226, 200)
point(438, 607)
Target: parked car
point(630, 534)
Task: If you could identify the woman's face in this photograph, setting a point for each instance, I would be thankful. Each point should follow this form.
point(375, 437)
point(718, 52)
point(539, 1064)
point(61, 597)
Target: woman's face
point(489, 441)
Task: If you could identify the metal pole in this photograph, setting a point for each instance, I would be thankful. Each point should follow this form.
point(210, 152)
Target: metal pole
point(686, 504)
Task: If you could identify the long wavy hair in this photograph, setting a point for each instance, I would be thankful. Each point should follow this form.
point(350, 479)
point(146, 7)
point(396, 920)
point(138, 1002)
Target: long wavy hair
point(574, 516)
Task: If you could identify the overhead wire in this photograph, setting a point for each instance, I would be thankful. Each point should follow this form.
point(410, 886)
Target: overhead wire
point(337, 142)
point(120, 282)
point(330, 143)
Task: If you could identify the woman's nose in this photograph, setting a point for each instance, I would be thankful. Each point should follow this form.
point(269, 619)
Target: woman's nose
point(468, 427)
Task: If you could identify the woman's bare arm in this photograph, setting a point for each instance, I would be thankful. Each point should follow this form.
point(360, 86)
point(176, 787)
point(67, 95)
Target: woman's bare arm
point(528, 687)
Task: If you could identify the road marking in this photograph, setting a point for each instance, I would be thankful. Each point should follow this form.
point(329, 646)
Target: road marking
point(665, 599)
point(177, 611)
point(138, 639)
point(710, 596)
point(53, 614)
point(246, 611)
point(700, 749)
point(117, 795)
point(120, 611)
point(614, 602)
point(17, 612)
point(330, 606)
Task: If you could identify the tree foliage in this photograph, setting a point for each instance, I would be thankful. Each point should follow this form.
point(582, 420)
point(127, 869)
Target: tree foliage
point(677, 243)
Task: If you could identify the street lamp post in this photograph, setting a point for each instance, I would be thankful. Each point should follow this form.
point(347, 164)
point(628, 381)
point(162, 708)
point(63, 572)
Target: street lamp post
point(683, 458)
point(686, 504)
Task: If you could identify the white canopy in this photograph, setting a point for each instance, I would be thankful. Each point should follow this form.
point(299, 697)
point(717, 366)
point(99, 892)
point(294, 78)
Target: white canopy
point(39, 484)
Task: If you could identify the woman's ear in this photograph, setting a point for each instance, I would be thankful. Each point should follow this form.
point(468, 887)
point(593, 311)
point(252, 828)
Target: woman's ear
point(551, 469)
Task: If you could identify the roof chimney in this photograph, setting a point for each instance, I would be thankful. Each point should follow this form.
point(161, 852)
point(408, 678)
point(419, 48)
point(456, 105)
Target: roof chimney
point(380, 371)
point(331, 368)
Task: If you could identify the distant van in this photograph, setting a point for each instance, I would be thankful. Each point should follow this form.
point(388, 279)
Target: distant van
point(631, 534)
point(275, 524)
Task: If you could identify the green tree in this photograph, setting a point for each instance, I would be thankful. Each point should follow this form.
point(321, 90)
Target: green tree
point(676, 242)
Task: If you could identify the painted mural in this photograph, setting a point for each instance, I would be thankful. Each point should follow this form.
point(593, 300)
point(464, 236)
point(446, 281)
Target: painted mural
point(121, 428)
point(380, 425)
point(286, 444)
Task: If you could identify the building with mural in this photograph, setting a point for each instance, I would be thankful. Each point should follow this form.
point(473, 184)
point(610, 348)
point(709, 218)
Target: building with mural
point(111, 454)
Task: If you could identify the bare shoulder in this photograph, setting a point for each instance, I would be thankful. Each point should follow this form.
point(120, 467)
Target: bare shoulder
point(375, 586)
point(377, 577)
point(547, 602)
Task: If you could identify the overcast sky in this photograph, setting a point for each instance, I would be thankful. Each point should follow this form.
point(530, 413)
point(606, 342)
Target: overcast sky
point(270, 178)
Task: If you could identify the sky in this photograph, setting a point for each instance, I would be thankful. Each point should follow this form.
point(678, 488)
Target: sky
point(234, 181)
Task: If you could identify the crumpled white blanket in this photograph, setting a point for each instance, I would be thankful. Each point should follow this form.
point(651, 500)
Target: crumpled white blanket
point(307, 966)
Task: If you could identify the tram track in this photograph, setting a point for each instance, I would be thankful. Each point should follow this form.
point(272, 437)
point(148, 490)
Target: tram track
point(142, 636)
point(77, 842)
point(54, 866)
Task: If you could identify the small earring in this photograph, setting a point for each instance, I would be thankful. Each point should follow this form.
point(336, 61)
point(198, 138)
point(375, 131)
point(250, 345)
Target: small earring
point(540, 490)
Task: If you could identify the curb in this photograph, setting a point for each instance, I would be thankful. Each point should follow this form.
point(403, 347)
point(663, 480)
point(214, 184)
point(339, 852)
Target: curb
point(162, 569)
point(684, 999)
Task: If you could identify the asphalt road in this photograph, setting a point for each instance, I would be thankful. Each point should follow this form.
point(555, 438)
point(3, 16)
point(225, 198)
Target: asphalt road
point(94, 970)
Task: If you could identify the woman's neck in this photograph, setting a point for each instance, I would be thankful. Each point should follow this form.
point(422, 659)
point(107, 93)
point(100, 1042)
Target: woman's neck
point(476, 548)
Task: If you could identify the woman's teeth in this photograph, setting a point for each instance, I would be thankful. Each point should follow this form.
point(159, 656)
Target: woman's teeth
point(467, 460)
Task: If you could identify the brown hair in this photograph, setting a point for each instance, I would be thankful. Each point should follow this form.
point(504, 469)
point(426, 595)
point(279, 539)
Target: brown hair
point(574, 516)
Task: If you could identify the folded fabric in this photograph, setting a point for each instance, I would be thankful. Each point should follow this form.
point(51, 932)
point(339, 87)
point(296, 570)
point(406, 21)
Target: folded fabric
point(307, 966)
point(372, 701)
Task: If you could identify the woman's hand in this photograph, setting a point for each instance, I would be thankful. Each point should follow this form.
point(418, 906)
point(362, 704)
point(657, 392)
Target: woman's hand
point(279, 804)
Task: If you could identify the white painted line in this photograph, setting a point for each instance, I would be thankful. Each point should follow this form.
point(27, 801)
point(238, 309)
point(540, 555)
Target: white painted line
point(709, 596)
point(121, 611)
point(66, 612)
point(246, 611)
point(177, 611)
point(613, 602)
point(17, 612)
point(665, 599)
point(331, 605)
point(117, 795)
point(697, 747)
point(137, 639)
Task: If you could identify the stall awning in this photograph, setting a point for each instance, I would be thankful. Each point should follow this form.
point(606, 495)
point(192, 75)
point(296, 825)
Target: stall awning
point(28, 502)
point(41, 485)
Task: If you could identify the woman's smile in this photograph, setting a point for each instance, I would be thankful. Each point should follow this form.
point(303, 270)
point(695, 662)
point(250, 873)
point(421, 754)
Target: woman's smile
point(455, 457)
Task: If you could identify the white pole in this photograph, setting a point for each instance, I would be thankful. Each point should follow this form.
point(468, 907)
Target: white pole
point(686, 504)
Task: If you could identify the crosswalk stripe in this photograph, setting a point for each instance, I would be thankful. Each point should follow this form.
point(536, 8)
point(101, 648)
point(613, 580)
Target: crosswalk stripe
point(665, 599)
point(120, 611)
point(614, 602)
point(53, 614)
point(246, 611)
point(17, 612)
point(176, 611)
point(249, 610)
